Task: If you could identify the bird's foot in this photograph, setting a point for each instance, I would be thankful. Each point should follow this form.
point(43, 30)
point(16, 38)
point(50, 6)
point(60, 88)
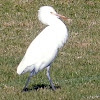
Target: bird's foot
point(53, 88)
point(24, 89)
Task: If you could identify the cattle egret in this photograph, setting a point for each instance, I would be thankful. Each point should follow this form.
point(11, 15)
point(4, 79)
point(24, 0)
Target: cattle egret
point(44, 47)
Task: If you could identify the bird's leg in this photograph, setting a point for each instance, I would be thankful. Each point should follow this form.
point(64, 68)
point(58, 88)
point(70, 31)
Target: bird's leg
point(48, 76)
point(28, 79)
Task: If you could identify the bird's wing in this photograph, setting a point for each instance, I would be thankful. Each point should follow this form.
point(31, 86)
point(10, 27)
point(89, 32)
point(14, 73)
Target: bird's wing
point(41, 50)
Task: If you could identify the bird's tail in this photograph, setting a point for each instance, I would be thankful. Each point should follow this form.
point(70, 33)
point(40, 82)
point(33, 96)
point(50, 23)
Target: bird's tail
point(21, 67)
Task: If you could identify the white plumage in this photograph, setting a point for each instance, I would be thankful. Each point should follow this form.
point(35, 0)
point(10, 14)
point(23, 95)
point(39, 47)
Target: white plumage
point(44, 47)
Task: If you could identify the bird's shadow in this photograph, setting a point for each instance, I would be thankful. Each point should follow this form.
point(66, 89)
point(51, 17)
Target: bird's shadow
point(40, 86)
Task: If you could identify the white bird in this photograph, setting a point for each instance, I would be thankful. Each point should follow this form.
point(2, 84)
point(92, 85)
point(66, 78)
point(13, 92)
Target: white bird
point(44, 47)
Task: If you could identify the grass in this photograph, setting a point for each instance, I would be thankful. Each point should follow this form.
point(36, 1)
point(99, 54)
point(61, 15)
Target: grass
point(76, 69)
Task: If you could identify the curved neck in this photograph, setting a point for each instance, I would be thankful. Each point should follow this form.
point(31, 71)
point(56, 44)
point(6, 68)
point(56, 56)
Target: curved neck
point(55, 21)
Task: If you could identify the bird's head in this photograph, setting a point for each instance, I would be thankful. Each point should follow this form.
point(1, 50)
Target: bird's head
point(47, 15)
